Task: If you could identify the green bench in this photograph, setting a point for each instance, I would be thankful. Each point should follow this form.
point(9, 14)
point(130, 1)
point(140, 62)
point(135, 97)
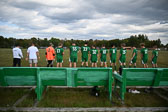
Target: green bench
point(41, 77)
point(10, 76)
point(153, 77)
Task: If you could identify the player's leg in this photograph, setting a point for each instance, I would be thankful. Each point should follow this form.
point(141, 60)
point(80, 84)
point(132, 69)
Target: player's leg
point(101, 64)
point(135, 65)
point(92, 64)
point(130, 64)
point(70, 61)
point(35, 62)
point(105, 64)
point(19, 62)
point(74, 64)
point(51, 64)
point(87, 64)
point(60, 64)
point(14, 62)
point(95, 64)
point(30, 62)
point(48, 63)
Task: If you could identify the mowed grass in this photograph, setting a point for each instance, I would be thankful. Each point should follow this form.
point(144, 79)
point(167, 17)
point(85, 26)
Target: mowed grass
point(81, 97)
point(6, 59)
point(8, 96)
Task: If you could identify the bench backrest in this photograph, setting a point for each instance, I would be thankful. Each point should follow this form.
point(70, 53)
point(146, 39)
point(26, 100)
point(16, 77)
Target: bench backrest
point(139, 76)
point(53, 76)
point(93, 76)
point(14, 76)
point(164, 77)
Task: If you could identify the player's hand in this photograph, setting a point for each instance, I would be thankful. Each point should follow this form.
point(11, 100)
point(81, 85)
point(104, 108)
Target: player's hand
point(39, 57)
point(26, 59)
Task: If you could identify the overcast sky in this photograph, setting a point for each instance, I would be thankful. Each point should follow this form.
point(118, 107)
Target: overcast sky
point(84, 19)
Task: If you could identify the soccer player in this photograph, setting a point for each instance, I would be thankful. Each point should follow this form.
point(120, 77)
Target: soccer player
point(85, 51)
point(122, 58)
point(134, 57)
point(103, 54)
point(113, 56)
point(93, 56)
point(17, 55)
point(154, 57)
point(73, 55)
point(144, 55)
point(59, 55)
point(50, 55)
point(32, 53)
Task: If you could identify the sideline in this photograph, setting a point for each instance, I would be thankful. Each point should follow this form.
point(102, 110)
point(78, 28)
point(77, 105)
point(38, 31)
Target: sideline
point(100, 109)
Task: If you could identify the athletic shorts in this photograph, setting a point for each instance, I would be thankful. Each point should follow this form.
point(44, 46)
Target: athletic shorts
point(50, 62)
point(122, 60)
point(133, 60)
point(73, 59)
point(84, 59)
point(112, 60)
point(59, 60)
point(103, 59)
point(33, 61)
point(154, 61)
point(144, 61)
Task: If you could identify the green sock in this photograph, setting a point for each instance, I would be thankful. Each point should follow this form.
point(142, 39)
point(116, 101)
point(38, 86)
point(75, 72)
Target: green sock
point(134, 66)
point(129, 66)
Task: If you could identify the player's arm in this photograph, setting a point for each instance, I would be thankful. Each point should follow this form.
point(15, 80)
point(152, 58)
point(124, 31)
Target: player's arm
point(20, 54)
point(133, 55)
point(27, 54)
point(38, 55)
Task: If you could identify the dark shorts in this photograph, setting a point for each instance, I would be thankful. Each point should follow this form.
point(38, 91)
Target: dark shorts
point(16, 61)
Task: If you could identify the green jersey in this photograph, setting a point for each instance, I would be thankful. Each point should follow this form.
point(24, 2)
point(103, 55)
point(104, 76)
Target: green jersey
point(59, 52)
point(113, 53)
point(144, 52)
point(94, 53)
point(85, 51)
point(74, 51)
point(155, 54)
point(135, 51)
point(123, 53)
point(103, 52)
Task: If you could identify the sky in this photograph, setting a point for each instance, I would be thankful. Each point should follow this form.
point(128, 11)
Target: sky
point(84, 19)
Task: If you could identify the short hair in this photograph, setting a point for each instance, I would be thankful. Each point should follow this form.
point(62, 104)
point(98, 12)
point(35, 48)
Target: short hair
point(113, 45)
point(86, 43)
point(142, 44)
point(60, 44)
point(123, 44)
point(51, 44)
point(17, 44)
point(103, 45)
point(155, 46)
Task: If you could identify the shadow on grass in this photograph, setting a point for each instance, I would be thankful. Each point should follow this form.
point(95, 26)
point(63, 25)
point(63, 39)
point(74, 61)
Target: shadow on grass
point(8, 96)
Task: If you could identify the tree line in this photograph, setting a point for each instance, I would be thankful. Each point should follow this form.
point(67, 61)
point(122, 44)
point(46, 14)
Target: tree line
point(133, 40)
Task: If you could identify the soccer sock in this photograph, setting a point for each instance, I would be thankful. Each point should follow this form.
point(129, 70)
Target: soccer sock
point(129, 66)
point(134, 66)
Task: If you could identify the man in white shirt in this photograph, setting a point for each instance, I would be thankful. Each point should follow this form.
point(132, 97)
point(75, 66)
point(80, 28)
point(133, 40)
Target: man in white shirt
point(32, 53)
point(17, 55)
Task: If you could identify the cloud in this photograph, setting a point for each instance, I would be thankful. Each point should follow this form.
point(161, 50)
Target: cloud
point(84, 19)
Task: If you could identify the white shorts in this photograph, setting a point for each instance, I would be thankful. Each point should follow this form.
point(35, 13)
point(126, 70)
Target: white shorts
point(33, 61)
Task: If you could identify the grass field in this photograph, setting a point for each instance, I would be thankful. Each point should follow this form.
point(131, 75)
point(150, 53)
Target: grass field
point(78, 97)
point(6, 59)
